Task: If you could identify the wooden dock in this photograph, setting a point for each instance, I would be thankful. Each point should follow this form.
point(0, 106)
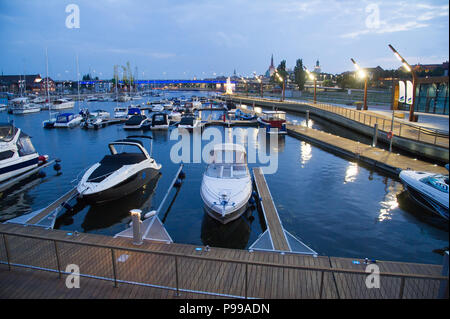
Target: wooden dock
point(33, 263)
point(271, 217)
point(390, 162)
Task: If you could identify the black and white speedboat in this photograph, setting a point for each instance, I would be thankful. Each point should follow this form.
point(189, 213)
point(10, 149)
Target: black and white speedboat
point(128, 168)
point(429, 190)
point(137, 122)
point(189, 121)
point(17, 153)
point(159, 121)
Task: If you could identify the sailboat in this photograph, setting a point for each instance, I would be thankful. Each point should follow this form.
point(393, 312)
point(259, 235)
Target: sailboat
point(50, 123)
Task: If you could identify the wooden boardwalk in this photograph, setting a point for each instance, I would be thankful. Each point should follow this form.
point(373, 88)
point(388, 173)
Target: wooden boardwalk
point(156, 270)
point(271, 216)
point(391, 162)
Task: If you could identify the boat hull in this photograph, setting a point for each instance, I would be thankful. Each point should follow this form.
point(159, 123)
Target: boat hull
point(123, 188)
point(228, 217)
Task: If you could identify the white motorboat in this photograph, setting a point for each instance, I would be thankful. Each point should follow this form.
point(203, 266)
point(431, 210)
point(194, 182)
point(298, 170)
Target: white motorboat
point(120, 112)
point(128, 168)
point(226, 185)
point(429, 190)
point(158, 108)
point(159, 121)
point(91, 98)
point(189, 121)
point(61, 104)
point(17, 153)
point(273, 121)
point(22, 105)
point(137, 122)
point(174, 117)
point(124, 98)
point(68, 120)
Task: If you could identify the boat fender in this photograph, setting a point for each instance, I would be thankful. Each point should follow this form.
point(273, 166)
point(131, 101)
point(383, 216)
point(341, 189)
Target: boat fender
point(57, 167)
point(67, 206)
point(177, 183)
point(150, 214)
point(182, 175)
point(251, 201)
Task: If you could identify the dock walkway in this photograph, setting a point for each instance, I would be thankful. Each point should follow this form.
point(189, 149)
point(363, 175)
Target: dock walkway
point(33, 264)
point(390, 162)
point(273, 223)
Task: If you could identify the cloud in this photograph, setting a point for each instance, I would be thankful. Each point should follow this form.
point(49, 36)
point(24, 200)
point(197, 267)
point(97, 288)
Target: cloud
point(397, 17)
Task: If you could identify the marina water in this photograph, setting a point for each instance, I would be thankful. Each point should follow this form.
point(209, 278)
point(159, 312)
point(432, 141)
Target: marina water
point(335, 206)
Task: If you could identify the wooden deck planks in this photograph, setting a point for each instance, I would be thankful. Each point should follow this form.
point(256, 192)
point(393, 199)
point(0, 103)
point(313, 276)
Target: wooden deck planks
point(200, 275)
point(271, 215)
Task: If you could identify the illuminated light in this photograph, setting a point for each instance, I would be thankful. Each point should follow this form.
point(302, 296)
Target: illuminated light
point(311, 76)
point(406, 66)
point(361, 73)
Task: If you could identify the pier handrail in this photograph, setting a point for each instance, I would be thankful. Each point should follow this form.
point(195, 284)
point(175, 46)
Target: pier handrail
point(176, 256)
point(413, 132)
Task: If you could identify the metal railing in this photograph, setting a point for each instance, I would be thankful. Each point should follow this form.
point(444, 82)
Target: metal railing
point(404, 130)
point(47, 247)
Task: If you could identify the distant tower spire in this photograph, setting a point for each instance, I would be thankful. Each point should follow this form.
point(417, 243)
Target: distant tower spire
point(271, 60)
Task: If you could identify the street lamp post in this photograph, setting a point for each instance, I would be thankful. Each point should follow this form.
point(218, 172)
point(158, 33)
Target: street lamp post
point(260, 85)
point(312, 77)
point(362, 74)
point(283, 88)
point(414, 80)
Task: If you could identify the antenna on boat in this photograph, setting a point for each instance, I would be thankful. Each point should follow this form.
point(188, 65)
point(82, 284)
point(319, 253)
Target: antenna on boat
point(78, 84)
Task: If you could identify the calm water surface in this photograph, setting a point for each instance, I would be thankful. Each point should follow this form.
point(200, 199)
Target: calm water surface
point(335, 206)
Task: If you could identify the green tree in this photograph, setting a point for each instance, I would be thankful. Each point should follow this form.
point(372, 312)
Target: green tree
point(281, 69)
point(299, 75)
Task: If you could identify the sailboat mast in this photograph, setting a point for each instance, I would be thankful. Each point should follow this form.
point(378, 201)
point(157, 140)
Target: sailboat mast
point(78, 85)
point(46, 70)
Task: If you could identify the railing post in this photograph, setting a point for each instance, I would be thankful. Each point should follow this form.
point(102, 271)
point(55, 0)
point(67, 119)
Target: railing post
point(402, 287)
point(383, 123)
point(176, 276)
point(57, 259)
point(7, 251)
point(418, 137)
point(400, 130)
point(246, 281)
point(435, 138)
point(321, 285)
point(443, 287)
point(113, 257)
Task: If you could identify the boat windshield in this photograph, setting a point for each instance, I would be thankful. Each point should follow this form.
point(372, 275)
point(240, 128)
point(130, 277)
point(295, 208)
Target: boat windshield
point(439, 182)
point(227, 164)
point(7, 133)
point(274, 116)
point(227, 170)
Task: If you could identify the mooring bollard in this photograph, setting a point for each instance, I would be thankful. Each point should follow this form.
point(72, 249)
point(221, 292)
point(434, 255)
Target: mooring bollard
point(136, 219)
point(375, 135)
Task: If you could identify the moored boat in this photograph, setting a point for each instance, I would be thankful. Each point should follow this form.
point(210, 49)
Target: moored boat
point(273, 121)
point(226, 186)
point(429, 190)
point(128, 168)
